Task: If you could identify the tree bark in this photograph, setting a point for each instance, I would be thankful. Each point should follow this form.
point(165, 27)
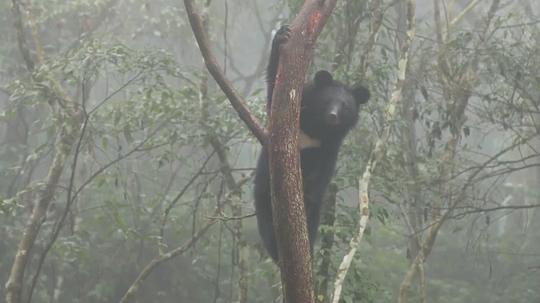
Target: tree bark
point(286, 180)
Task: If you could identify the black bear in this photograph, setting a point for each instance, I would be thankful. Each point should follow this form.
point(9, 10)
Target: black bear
point(329, 109)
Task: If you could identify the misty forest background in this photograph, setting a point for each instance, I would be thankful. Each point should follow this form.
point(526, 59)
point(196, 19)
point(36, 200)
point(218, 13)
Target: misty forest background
point(122, 148)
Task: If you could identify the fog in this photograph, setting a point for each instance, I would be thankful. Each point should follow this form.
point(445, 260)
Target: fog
point(126, 175)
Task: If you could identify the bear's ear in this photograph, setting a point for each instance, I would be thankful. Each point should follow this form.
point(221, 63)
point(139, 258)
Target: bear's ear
point(361, 94)
point(323, 78)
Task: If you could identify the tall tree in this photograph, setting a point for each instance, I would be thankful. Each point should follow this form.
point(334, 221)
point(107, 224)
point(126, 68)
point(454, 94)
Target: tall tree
point(286, 180)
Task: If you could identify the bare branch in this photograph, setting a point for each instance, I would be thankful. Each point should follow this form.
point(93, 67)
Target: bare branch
point(215, 70)
point(130, 294)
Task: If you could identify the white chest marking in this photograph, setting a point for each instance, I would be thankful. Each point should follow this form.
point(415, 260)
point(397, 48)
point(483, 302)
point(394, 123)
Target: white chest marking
point(307, 141)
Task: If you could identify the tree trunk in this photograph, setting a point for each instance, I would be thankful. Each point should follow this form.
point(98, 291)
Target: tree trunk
point(285, 177)
point(14, 284)
point(327, 241)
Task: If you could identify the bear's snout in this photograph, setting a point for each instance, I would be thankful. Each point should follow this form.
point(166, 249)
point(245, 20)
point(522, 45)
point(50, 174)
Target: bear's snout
point(332, 117)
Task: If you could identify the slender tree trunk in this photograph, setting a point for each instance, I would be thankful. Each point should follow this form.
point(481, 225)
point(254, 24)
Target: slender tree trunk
point(327, 241)
point(379, 150)
point(69, 121)
point(14, 285)
point(457, 89)
point(285, 178)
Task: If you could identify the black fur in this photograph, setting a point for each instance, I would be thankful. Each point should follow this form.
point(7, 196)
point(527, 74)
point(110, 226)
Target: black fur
point(329, 110)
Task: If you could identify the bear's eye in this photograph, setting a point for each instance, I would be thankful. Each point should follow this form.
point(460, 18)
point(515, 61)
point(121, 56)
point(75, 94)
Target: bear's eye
point(347, 106)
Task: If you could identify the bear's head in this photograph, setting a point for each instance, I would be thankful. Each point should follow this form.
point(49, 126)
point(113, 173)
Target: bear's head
point(330, 108)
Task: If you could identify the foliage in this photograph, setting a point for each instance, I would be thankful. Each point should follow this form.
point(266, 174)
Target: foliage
point(145, 174)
